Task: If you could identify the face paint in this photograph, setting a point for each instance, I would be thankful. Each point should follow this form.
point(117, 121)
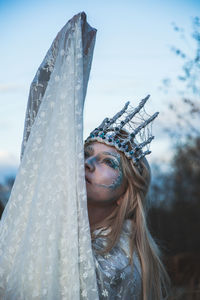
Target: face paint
point(117, 166)
point(115, 184)
point(105, 180)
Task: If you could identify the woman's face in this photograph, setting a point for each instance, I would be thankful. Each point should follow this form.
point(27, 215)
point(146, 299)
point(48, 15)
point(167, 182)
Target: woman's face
point(105, 182)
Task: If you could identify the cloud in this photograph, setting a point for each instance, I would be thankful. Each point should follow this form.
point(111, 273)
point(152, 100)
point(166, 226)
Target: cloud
point(10, 87)
point(8, 159)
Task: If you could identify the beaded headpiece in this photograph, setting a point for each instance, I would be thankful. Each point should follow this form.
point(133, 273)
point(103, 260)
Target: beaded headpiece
point(128, 131)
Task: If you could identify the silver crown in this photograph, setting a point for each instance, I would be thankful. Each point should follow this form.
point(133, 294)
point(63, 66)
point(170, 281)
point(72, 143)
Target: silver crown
point(129, 131)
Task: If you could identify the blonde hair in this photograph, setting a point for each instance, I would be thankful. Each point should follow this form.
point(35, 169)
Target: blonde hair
point(155, 281)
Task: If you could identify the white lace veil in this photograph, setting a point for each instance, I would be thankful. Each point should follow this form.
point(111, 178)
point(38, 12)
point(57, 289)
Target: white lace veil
point(45, 244)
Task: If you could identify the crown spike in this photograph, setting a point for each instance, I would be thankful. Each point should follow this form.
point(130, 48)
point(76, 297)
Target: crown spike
point(144, 124)
point(100, 126)
point(136, 110)
point(147, 152)
point(118, 115)
point(142, 145)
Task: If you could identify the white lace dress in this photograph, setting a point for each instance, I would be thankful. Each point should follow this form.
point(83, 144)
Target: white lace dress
point(116, 278)
point(45, 244)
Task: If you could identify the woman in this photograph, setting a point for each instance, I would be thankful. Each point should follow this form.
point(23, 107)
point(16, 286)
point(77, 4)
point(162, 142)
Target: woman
point(126, 257)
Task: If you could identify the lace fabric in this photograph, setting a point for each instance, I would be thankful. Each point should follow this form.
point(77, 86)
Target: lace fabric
point(116, 278)
point(45, 243)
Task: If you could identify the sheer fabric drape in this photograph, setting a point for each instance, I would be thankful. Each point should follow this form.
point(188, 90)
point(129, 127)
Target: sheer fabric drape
point(45, 244)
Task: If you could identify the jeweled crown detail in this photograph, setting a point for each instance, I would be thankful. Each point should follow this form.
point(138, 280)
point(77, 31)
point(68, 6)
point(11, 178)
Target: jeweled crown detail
point(128, 131)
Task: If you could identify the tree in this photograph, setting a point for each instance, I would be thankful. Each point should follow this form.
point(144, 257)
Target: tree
point(187, 109)
point(175, 222)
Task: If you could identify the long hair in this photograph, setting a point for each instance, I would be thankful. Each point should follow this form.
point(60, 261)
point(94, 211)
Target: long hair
point(155, 281)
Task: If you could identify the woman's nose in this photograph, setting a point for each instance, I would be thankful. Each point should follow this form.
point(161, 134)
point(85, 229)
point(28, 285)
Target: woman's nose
point(89, 164)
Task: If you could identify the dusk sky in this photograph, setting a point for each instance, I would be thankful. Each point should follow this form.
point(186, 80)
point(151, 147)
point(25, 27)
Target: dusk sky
point(131, 58)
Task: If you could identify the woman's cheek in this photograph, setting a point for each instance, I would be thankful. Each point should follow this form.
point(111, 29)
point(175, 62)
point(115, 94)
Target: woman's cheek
point(106, 176)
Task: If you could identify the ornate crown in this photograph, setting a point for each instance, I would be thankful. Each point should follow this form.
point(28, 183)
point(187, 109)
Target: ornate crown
point(128, 131)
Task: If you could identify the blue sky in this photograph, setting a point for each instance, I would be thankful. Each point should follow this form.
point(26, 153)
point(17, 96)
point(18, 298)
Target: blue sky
point(131, 57)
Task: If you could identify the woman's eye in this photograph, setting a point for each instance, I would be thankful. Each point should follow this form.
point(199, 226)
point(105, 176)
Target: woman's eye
point(111, 163)
point(86, 154)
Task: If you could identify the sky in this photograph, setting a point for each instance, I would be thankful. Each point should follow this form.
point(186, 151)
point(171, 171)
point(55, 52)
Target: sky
point(131, 58)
